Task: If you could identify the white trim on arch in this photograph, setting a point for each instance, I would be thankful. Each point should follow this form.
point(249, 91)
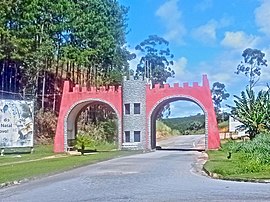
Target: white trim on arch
point(88, 102)
point(177, 97)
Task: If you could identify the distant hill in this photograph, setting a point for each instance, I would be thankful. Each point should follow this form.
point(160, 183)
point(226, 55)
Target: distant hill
point(186, 125)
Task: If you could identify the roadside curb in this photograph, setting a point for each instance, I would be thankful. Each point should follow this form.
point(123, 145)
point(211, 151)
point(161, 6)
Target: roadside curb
point(15, 182)
point(201, 159)
point(220, 177)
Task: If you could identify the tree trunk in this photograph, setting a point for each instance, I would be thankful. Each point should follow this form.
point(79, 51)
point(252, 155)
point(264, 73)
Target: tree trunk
point(62, 70)
point(43, 91)
point(82, 151)
point(73, 72)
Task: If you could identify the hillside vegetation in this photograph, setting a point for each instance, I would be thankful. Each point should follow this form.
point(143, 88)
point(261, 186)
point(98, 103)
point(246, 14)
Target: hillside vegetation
point(165, 131)
point(186, 125)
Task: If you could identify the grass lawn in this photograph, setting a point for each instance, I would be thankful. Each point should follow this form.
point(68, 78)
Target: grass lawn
point(237, 167)
point(14, 167)
point(22, 154)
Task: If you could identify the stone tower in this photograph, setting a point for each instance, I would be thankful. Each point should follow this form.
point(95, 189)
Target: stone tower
point(134, 113)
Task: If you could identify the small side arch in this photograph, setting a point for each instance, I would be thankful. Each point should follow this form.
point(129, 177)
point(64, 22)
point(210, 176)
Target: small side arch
point(75, 109)
point(160, 104)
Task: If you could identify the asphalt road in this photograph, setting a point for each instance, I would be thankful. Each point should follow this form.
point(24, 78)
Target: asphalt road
point(154, 176)
point(183, 142)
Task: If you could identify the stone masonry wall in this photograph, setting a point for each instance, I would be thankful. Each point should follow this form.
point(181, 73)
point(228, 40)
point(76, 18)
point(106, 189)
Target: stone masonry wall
point(134, 91)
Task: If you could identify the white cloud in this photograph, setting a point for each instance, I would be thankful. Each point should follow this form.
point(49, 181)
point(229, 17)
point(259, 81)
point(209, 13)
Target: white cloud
point(222, 77)
point(204, 5)
point(170, 14)
point(222, 69)
point(239, 40)
point(207, 33)
point(258, 88)
point(184, 108)
point(182, 74)
point(180, 66)
point(262, 16)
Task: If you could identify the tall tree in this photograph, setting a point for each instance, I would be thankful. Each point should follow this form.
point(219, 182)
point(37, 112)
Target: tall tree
point(155, 64)
point(156, 61)
point(251, 66)
point(219, 94)
point(84, 39)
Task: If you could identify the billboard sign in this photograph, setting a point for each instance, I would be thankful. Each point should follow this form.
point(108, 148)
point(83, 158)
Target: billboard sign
point(16, 123)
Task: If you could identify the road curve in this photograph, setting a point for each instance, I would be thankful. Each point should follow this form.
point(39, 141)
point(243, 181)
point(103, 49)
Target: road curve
point(154, 176)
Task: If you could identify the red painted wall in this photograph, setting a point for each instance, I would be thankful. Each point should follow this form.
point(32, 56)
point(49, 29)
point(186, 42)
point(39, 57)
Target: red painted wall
point(200, 94)
point(78, 94)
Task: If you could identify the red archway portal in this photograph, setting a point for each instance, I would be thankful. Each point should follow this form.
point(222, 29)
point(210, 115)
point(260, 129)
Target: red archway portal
point(75, 100)
point(200, 95)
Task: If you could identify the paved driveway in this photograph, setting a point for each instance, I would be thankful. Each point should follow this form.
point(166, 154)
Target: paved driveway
point(154, 176)
point(183, 142)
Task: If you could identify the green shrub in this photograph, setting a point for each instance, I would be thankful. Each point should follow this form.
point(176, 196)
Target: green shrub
point(248, 165)
point(232, 146)
point(83, 140)
point(163, 130)
point(110, 130)
point(101, 132)
point(257, 151)
point(175, 132)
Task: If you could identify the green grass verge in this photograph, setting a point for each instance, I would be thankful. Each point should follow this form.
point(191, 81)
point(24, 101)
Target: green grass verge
point(33, 165)
point(40, 151)
point(238, 167)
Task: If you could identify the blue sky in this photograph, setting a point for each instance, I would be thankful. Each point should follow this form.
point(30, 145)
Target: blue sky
point(206, 37)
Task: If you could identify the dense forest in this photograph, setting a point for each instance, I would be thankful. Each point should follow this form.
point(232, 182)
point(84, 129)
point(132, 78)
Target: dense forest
point(43, 42)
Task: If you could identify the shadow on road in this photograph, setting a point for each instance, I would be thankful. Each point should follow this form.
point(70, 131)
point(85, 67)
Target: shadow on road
point(180, 149)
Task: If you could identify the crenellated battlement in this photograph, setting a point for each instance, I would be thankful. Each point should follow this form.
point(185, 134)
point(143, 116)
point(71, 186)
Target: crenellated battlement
point(185, 85)
point(83, 89)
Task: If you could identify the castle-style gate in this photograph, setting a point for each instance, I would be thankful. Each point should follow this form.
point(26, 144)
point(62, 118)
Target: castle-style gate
point(136, 105)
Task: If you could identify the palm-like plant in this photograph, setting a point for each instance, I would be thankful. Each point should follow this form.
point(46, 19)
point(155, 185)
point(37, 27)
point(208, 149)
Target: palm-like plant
point(253, 112)
point(82, 140)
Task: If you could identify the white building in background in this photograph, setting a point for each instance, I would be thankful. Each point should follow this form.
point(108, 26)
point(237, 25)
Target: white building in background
point(233, 124)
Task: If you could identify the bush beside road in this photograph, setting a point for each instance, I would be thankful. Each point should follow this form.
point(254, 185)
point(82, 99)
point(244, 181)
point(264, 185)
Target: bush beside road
point(241, 160)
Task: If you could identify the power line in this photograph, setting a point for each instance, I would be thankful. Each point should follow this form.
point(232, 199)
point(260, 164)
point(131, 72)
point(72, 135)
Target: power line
point(2, 91)
point(28, 94)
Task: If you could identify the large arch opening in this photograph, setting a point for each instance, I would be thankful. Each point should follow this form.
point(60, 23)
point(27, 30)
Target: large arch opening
point(179, 133)
point(77, 119)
